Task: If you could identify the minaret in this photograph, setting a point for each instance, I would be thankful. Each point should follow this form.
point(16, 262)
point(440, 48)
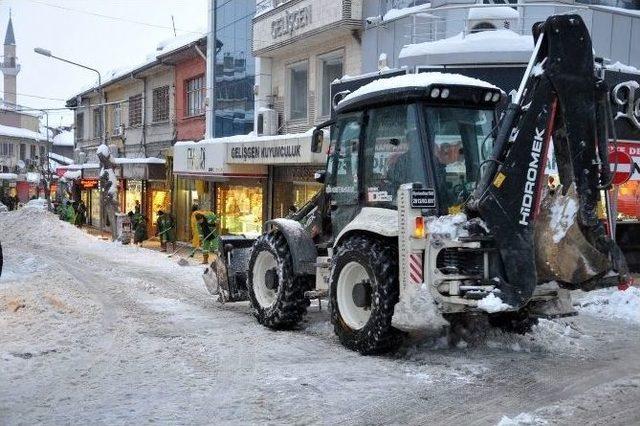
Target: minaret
point(10, 67)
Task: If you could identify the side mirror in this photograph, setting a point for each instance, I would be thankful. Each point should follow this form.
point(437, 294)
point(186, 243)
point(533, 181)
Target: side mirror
point(317, 139)
point(320, 175)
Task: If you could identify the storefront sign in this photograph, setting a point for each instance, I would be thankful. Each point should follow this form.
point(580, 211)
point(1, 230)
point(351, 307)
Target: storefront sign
point(291, 21)
point(274, 150)
point(304, 18)
point(268, 152)
point(627, 95)
point(209, 158)
point(88, 183)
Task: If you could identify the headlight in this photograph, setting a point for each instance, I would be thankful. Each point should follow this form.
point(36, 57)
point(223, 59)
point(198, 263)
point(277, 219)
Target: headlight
point(435, 92)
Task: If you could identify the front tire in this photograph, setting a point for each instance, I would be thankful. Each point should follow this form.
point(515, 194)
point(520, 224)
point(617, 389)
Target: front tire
point(364, 292)
point(276, 295)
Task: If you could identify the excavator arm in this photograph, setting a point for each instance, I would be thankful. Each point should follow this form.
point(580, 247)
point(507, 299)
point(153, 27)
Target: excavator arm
point(543, 236)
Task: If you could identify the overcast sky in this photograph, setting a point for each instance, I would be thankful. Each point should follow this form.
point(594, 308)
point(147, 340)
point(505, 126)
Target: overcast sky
point(71, 29)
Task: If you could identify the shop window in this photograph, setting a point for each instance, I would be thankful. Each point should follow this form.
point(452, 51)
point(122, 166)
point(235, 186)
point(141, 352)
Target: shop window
point(97, 123)
point(331, 68)
point(195, 96)
point(160, 104)
point(79, 126)
point(33, 152)
point(239, 209)
point(43, 154)
point(298, 90)
point(189, 192)
point(135, 110)
point(133, 193)
point(23, 151)
point(296, 194)
point(6, 149)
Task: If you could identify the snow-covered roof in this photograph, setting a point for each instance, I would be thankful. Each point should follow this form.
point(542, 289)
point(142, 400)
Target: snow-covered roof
point(480, 43)
point(8, 176)
point(64, 139)
point(147, 160)
point(60, 158)
point(163, 48)
point(489, 13)
point(18, 132)
point(72, 174)
point(420, 80)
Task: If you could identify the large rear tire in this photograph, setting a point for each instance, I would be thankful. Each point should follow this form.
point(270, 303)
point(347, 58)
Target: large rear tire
point(364, 292)
point(276, 295)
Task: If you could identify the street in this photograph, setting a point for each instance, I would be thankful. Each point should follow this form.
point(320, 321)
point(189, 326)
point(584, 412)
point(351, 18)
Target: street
point(97, 332)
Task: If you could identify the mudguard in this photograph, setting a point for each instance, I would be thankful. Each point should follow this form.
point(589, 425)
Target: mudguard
point(374, 220)
point(303, 250)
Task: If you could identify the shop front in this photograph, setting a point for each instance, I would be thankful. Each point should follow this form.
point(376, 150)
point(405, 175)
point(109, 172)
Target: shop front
point(291, 166)
point(235, 192)
point(143, 188)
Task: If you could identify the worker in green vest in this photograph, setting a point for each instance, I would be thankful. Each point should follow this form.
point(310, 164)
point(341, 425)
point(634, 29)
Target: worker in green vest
point(209, 237)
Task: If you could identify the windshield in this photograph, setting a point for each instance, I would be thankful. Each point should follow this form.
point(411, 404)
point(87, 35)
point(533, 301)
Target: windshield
point(461, 139)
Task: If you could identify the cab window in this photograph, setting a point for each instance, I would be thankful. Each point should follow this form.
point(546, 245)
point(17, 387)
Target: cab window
point(392, 152)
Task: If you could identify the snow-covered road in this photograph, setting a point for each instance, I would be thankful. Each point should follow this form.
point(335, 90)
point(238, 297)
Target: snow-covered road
point(95, 332)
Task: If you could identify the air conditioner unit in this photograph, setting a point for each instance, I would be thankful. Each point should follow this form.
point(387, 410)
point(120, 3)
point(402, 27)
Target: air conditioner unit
point(492, 18)
point(267, 122)
point(117, 132)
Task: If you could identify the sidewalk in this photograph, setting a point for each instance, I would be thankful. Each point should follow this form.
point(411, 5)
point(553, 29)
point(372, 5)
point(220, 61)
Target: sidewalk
point(183, 248)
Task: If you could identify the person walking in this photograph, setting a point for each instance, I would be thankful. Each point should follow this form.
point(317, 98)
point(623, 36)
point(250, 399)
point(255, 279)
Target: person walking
point(81, 214)
point(209, 238)
point(165, 230)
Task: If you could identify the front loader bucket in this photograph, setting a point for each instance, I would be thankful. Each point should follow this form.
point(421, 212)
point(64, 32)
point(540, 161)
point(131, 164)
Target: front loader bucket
point(563, 253)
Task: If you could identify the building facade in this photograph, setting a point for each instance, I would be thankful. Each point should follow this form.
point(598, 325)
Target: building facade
point(23, 148)
point(390, 25)
point(259, 165)
point(145, 111)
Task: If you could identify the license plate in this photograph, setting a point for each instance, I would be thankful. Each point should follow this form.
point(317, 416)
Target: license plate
point(423, 198)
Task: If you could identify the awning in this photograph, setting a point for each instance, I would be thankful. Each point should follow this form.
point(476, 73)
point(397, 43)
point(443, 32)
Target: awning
point(245, 155)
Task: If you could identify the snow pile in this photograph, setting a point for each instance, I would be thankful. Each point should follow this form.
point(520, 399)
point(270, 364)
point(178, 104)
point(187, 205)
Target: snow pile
point(610, 303)
point(497, 12)
point(39, 204)
point(103, 150)
point(418, 310)
point(492, 304)
point(563, 215)
point(481, 42)
point(8, 176)
point(64, 139)
point(420, 80)
point(522, 419)
point(449, 226)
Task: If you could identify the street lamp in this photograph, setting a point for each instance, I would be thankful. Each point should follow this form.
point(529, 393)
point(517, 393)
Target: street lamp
point(48, 54)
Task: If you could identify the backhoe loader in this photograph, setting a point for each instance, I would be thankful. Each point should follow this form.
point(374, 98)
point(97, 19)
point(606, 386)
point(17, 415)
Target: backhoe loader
point(435, 207)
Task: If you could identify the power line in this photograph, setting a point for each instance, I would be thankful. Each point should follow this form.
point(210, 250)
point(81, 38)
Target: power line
point(114, 18)
point(34, 96)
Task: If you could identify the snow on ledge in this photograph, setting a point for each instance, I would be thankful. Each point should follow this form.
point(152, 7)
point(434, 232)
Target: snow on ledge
point(8, 176)
point(405, 11)
point(416, 80)
point(484, 41)
point(147, 160)
point(489, 13)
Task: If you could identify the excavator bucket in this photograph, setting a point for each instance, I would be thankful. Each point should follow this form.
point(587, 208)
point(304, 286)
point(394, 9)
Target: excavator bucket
point(563, 253)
